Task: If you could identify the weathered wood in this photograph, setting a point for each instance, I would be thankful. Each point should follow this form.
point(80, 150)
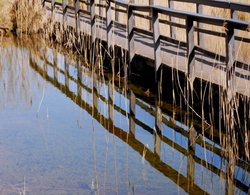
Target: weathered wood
point(132, 113)
point(157, 41)
point(64, 7)
point(230, 55)
point(130, 31)
point(109, 25)
point(199, 10)
point(150, 3)
point(93, 24)
point(171, 19)
point(77, 17)
point(190, 45)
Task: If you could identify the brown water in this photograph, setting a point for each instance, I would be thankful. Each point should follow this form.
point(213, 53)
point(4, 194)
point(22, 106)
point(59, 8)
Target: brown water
point(57, 136)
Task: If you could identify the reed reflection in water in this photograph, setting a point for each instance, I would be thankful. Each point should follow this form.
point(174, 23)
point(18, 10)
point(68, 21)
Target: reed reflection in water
point(66, 130)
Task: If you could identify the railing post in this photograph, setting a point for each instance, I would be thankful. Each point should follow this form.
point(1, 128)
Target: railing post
point(116, 12)
point(151, 3)
point(132, 113)
point(130, 31)
point(93, 25)
point(171, 19)
point(52, 8)
point(190, 46)
point(199, 10)
point(64, 7)
point(77, 8)
point(100, 8)
point(157, 41)
point(230, 56)
point(108, 24)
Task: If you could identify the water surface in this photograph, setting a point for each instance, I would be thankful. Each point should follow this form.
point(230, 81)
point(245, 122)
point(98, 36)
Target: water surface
point(58, 136)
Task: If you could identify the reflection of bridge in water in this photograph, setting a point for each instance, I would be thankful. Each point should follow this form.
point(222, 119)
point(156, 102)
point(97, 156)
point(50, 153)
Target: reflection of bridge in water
point(200, 154)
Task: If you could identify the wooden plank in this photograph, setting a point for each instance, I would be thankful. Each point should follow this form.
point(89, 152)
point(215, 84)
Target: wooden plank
point(130, 35)
point(93, 24)
point(77, 8)
point(157, 41)
point(64, 8)
point(190, 46)
point(109, 25)
point(171, 19)
point(230, 56)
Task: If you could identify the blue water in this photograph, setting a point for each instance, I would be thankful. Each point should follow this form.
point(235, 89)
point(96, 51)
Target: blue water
point(52, 144)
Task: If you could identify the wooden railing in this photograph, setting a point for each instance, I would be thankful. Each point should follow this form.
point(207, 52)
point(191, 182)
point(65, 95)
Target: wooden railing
point(153, 11)
point(154, 158)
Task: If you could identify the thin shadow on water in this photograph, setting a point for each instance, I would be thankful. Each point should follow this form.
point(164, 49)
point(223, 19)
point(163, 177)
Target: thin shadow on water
point(194, 163)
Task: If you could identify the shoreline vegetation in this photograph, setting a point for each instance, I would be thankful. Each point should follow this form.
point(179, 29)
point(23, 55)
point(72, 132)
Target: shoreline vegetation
point(27, 17)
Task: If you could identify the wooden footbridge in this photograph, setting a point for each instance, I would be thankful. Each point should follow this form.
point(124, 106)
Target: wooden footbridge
point(104, 21)
point(206, 155)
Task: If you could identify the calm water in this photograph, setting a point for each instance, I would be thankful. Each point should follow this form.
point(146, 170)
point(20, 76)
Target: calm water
point(52, 141)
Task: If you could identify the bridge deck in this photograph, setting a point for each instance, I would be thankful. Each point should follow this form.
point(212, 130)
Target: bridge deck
point(173, 55)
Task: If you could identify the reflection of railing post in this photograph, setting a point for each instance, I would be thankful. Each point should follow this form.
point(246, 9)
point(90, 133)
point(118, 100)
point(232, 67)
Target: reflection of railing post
point(94, 91)
point(190, 45)
point(93, 25)
point(55, 65)
point(111, 101)
point(132, 113)
point(66, 65)
point(158, 130)
point(108, 24)
point(130, 31)
point(191, 154)
point(77, 8)
point(157, 41)
point(79, 79)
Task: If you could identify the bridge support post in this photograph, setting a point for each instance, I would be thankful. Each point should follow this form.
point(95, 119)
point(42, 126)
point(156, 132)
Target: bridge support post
point(157, 41)
point(132, 113)
point(108, 25)
point(77, 8)
point(93, 25)
point(190, 46)
point(130, 31)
